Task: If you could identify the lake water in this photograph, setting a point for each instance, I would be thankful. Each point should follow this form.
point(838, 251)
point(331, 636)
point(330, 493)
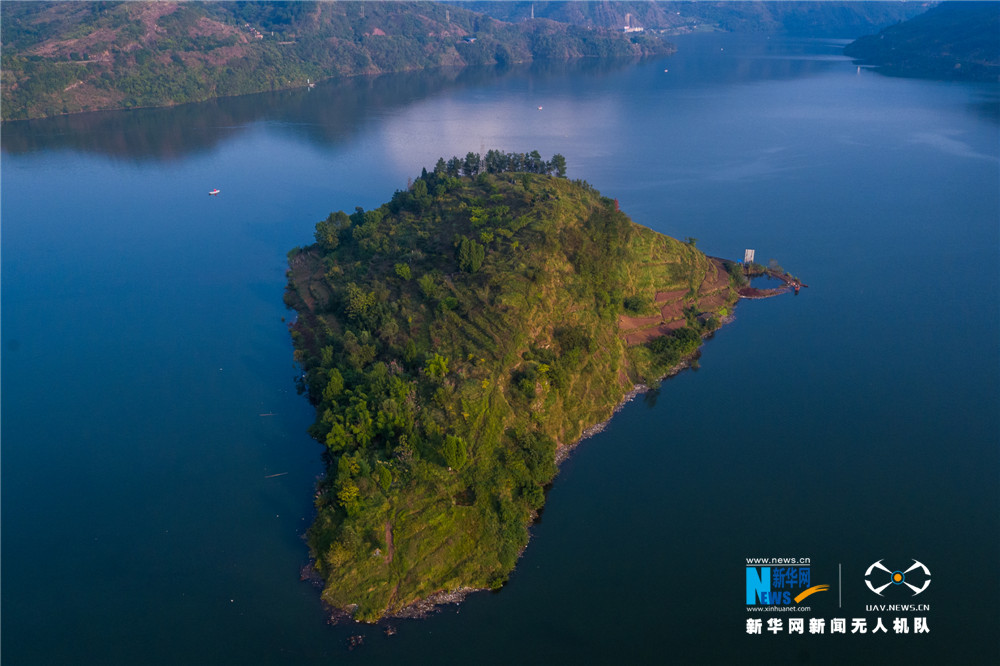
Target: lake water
point(156, 474)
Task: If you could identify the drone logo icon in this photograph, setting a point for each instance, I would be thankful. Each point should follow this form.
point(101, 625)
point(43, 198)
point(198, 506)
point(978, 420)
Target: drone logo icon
point(898, 577)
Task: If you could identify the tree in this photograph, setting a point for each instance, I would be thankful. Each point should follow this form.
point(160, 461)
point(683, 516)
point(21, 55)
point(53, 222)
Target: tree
point(359, 302)
point(429, 286)
point(328, 230)
point(471, 165)
point(535, 163)
point(334, 386)
point(437, 366)
point(358, 216)
point(348, 493)
point(420, 196)
point(359, 421)
point(493, 162)
point(470, 255)
point(338, 439)
point(558, 164)
point(384, 477)
point(455, 452)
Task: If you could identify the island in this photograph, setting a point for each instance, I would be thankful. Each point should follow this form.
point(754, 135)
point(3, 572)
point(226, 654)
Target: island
point(457, 341)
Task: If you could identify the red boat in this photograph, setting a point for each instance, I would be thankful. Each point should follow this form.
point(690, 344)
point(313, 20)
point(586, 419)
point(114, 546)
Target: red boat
point(214, 192)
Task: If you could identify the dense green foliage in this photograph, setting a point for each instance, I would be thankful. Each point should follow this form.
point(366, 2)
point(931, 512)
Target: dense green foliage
point(452, 339)
point(67, 57)
point(954, 40)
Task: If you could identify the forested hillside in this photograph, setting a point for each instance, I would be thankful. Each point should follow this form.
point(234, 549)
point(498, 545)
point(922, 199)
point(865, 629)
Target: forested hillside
point(955, 40)
point(814, 19)
point(67, 57)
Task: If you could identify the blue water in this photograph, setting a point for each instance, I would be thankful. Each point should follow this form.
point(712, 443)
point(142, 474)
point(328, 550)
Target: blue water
point(143, 342)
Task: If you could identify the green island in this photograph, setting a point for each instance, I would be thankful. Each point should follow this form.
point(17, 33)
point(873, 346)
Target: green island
point(456, 342)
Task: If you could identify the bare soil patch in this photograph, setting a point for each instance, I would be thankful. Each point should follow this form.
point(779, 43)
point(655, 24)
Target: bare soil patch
point(666, 296)
point(715, 280)
point(85, 44)
point(151, 12)
point(206, 27)
point(713, 294)
point(647, 334)
point(87, 97)
point(224, 54)
point(672, 311)
point(305, 267)
point(712, 301)
point(628, 323)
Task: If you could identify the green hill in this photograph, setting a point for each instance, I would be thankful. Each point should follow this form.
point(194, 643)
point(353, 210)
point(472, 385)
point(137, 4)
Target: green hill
point(456, 340)
point(66, 57)
point(954, 40)
point(812, 19)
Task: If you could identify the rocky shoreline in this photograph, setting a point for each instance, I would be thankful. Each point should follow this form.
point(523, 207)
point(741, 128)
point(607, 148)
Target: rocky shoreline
point(420, 608)
point(432, 604)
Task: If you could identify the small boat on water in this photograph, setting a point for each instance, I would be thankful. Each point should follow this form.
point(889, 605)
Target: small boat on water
point(213, 192)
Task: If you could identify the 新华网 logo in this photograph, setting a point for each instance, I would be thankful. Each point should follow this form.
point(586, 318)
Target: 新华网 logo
point(780, 586)
point(918, 574)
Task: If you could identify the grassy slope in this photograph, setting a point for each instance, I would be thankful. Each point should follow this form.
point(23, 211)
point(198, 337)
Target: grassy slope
point(534, 356)
point(67, 57)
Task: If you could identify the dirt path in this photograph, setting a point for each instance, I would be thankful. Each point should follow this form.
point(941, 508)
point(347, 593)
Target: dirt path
point(389, 550)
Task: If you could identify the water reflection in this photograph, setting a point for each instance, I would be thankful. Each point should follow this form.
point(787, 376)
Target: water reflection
point(989, 107)
point(726, 58)
point(327, 115)
point(335, 110)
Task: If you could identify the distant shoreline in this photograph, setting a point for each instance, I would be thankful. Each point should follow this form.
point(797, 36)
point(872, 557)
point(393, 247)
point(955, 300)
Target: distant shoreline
point(144, 54)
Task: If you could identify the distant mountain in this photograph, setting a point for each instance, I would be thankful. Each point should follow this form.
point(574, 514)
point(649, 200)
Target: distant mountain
point(955, 40)
point(818, 19)
point(66, 57)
